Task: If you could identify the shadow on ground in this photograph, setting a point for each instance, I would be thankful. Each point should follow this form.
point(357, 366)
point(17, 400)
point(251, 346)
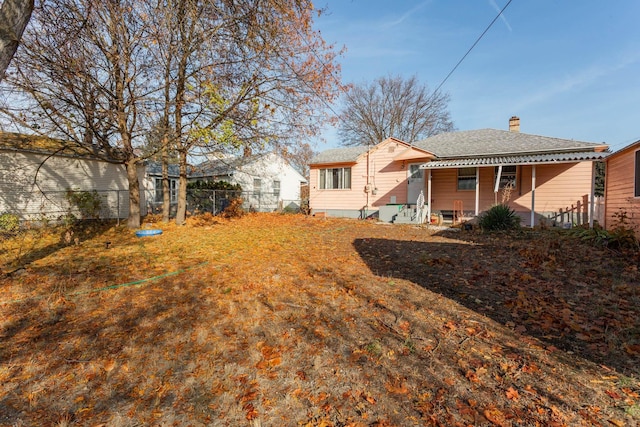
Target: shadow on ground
point(572, 298)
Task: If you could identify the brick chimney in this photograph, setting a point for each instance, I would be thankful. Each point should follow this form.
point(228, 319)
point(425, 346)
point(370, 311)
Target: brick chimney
point(514, 124)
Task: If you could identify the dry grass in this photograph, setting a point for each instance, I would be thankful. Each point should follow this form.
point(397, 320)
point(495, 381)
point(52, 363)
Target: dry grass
point(274, 320)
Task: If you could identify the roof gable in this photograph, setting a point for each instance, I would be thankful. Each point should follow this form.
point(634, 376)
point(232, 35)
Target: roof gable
point(630, 147)
point(353, 154)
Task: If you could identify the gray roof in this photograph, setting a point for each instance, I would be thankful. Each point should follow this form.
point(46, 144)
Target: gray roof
point(525, 159)
point(493, 142)
point(339, 155)
point(155, 169)
point(224, 166)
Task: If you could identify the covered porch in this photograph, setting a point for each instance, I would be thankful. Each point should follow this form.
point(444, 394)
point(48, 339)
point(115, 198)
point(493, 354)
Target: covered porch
point(538, 187)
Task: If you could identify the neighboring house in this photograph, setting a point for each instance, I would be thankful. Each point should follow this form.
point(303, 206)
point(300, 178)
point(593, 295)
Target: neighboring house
point(460, 174)
point(152, 185)
point(268, 181)
point(36, 172)
point(622, 188)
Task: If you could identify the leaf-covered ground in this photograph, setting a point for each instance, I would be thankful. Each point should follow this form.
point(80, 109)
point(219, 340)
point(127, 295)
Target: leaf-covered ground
point(273, 320)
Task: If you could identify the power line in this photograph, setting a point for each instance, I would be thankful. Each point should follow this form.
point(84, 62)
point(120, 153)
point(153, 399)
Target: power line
point(472, 46)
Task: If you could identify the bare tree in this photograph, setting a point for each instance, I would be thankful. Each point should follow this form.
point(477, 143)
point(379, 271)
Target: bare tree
point(243, 73)
point(300, 156)
point(14, 17)
point(215, 75)
point(393, 107)
point(82, 76)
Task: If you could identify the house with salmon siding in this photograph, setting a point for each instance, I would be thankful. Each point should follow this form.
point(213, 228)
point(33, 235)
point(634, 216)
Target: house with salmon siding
point(622, 188)
point(459, 175)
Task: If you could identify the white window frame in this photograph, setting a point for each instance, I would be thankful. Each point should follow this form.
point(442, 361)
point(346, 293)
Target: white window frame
point(334, 179)
point(276, 187)
point(173, 190)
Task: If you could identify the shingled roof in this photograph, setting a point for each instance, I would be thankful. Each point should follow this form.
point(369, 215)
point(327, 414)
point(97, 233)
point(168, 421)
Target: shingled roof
point(51, 146)
point(493, 142)
point(339, 155)
point(475, 144)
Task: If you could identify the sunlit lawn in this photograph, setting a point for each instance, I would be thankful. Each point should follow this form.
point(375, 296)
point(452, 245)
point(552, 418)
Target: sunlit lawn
point(273, 320)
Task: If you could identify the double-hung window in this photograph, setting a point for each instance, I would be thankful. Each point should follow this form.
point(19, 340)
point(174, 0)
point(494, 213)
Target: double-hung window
point(276, 188)
point(257, 185)
point(335, 178)
point(467, 179)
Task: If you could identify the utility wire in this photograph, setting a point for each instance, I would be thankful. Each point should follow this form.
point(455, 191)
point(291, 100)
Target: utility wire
point(474, 45)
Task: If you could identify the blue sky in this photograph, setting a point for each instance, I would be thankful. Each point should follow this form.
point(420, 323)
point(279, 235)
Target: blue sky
point(568, 68)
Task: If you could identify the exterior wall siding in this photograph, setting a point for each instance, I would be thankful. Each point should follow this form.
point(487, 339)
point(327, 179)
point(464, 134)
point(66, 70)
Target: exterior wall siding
point(33, 184)
point(619, 189)
point(558, 187)
point(387, 177)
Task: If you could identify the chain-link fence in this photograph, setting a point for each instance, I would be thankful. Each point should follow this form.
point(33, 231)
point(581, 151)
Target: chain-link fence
point(114, 204)
point(57, 205)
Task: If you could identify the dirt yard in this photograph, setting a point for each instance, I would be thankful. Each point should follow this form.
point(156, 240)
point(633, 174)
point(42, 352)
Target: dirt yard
point(286, 320)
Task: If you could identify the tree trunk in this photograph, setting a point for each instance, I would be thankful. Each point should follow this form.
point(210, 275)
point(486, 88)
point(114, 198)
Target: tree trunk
point(181, 213)
point(166, 190)
point(134, 194)
point(14, 17)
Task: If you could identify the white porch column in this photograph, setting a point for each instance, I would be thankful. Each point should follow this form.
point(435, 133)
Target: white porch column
point(477, 191)
point(592, 196)
point(533, 195)
point(428, 196)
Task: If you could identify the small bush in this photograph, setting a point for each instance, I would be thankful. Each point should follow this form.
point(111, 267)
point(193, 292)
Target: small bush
point(621, 237)
point(9, 223)
point(499, 217)
point(234, 210)
point(88, 203)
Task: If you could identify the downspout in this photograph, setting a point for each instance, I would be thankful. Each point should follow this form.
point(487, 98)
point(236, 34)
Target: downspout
point(367, 186)
point(429, 196)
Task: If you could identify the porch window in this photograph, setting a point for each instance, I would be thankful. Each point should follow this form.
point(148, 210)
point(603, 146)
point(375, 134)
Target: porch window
point(636, 191)
point(466, 178)
point(336, 179)
point(508, 176)
point(173, 190)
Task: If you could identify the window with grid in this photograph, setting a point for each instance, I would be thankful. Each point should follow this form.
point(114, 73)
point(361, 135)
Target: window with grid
point(257, 185)
point(173, 190)
point(276, 188)
point(335, 178)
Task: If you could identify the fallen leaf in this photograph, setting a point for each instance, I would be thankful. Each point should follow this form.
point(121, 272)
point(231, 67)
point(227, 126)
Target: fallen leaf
point(512, 394)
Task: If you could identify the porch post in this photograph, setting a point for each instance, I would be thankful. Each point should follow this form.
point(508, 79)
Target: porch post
point(592, 198)
point(477, 191)
point(533, 195)
point(428, 196)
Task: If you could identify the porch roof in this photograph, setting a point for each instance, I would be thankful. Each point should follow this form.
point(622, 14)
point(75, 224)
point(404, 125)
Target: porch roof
point(525, 159)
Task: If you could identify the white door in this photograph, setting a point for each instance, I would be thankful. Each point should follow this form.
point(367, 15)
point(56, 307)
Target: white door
point(415, 182)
